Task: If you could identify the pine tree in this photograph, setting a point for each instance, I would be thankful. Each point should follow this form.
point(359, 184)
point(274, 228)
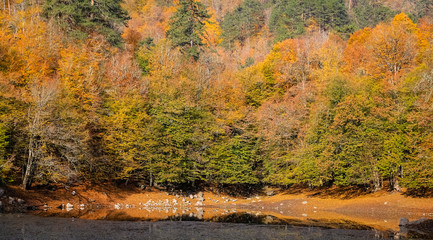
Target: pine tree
point(245, 21)
point(81, 17)
point(187, 27)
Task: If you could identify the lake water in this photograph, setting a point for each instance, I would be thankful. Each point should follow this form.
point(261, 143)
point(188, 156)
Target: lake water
point(19, 226)
point(139, 222)
point(196, 223)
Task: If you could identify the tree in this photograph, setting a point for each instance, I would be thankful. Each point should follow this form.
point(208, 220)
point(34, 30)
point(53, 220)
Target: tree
point(234, 161)
point(286, 22)
point(181, 134)
point(3, 144)
point(80, 18)
point(290, 17)
point(245, 21)
point(126, 138)
point(187, 27)
point(394, 48)
point(369, 14)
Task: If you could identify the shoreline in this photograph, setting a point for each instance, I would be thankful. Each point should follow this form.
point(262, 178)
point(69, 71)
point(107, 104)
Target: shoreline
point(381, 210)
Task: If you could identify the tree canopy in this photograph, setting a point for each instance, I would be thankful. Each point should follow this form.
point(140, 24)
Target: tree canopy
point(79, 18)
point(187, 27)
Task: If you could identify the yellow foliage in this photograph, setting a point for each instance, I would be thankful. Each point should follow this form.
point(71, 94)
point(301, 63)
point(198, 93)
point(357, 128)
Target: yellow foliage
point(212, 30)
point(402, 20)
point(425, 42)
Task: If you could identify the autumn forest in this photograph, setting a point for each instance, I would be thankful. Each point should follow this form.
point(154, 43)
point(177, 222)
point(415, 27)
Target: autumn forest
point(186, 92)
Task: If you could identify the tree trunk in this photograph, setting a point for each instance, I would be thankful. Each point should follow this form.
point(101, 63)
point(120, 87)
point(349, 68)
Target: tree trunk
point(29, 166)
point(27, 180)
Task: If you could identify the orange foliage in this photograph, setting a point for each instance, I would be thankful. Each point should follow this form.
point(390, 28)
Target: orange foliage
point(386, 52)
point(425, 41)
point(357, 55)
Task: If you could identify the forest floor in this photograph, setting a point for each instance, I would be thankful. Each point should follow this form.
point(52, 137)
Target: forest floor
point(381, 210)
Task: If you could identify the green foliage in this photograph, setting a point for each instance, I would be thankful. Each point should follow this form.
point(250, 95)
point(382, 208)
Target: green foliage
point(245, 21)
point(423, 8)
point(3, 144)
point(187, 27)
point(259, 83)
point(82, 17)
point(182, 135)
point(286, 20)
point(329, 13)
point(144, 56)
point(234, 161)
point(290, 17)
point(127, 138)
point(368, 14)
point(316, 111)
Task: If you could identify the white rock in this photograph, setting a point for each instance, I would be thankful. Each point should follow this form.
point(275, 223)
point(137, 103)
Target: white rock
point(69, 207)
point(304, 202)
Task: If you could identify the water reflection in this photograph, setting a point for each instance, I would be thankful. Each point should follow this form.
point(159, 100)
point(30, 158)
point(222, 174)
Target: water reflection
point(161, 212)
point(16, 226)
point(200, 214)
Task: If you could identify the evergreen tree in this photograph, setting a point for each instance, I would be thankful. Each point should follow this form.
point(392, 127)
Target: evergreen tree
point(370, 14)
point(286, 22)
point(187, 27)
point(290, 17)
point(245, 21)
point(81, 17)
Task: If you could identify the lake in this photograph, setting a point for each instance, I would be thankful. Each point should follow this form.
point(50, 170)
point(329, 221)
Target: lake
point(194, 223)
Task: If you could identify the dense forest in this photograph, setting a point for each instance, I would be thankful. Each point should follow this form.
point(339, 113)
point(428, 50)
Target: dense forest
point(278, 92)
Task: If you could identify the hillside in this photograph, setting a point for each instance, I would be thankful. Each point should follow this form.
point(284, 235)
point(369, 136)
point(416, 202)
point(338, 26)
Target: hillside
point(198, 93)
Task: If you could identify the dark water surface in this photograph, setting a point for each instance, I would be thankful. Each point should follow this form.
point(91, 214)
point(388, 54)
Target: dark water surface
point(26, 226)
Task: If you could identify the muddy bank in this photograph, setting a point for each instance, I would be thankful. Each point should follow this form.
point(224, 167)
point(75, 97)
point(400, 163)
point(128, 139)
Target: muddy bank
point(17, 226)
point(380, 210)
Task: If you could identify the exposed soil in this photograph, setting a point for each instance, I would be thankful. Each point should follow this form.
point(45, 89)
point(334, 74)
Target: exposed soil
point(381, 210)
